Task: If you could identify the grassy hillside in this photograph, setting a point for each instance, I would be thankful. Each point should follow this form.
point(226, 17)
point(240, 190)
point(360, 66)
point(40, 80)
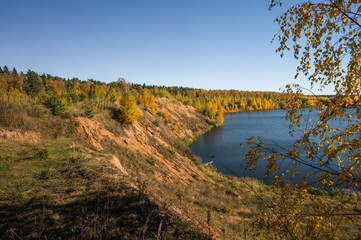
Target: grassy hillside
point(89, 160)
point(74, 177)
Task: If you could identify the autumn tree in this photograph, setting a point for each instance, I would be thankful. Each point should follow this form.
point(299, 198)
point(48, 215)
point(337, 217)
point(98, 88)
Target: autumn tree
point(220, 115)
point(13, 93)
point(129, 111)
point(211, 109)
point(123, 84)
point(197, 104)
point(112, 94)
point(325, 37)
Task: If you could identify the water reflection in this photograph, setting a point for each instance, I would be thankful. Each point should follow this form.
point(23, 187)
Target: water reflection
point(222, 145)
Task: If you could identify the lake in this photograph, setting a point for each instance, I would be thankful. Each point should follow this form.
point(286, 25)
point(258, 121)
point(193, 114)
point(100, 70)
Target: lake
point(222, 145)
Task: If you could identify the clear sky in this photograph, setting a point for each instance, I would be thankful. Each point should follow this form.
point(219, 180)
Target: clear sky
point(209, 44)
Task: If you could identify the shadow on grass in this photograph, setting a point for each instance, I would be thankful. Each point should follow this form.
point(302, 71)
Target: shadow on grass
point(100, 215)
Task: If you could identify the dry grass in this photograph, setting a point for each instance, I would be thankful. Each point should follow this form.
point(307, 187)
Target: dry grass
point(33, 116)
point(66, 195)
point(13, 117)
point(63, 188)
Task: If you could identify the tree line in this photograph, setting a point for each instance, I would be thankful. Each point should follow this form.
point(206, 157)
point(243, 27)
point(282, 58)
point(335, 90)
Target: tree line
point(57, 93)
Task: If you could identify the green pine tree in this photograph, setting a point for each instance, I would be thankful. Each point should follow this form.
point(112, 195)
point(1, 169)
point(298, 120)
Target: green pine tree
point(33, 83)
point(89, 112)
point(55, 104)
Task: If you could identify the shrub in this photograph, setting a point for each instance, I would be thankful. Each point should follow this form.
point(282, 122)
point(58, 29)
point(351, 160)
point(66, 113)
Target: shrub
point(55, 104)
point(9, 117)
point(317, 191)
point(113, 98)
point(166, 115)
point(82, 96)
point(129, 112)
point(156, 123)
point(89, 112)
point(42, 154)
point(224, 209)
point(151, 161)
point(74, 97)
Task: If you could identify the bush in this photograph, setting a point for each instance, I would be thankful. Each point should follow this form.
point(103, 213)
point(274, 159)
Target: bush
point(317, 191)
point(74, 97)
point(12, 116)
point(89, 112)
point(224, 209)
point(113, 98)
point(9, 117)
point(129, 111)
point(82, 96)
point(42, 154)
point(54, 103)
point(156, 123)
point(151, 161)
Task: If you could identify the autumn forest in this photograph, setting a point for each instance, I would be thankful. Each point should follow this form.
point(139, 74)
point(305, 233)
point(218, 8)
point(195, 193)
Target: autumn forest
point(57, 93)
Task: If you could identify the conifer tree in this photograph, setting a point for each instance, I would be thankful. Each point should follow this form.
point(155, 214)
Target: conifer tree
point(33, 83)
point(89, 112)
point(55, 104)
point(14, 71)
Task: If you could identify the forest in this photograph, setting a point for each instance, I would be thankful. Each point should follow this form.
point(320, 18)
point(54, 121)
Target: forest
point(57, 93)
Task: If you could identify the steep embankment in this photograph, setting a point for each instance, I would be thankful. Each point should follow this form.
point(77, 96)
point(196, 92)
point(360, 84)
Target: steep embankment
point(153, 158)
point(74, 177)
point(153, 141)
point(71, 177)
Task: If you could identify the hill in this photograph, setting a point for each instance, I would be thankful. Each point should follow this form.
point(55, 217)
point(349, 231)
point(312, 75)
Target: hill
point(75, 177)
point(75, 170)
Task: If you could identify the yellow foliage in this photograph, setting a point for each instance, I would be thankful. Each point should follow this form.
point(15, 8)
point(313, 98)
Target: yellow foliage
point(220, 116)
point(153, 112)
point(211, 109)
point(129, 111)
point(166, 115)
point(331, 56)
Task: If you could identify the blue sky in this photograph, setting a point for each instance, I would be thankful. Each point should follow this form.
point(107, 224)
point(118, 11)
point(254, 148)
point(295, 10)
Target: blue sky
point(205, 44)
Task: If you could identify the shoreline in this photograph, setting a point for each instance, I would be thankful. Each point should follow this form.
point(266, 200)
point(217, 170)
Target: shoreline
point(331, 190)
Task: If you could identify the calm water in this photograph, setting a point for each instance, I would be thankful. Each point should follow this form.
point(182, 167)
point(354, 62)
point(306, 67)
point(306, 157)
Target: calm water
point(222, 145)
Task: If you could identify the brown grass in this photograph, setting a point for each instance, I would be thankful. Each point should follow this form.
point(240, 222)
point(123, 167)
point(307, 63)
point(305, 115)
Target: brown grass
point(13, 118)
point(64, 187)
